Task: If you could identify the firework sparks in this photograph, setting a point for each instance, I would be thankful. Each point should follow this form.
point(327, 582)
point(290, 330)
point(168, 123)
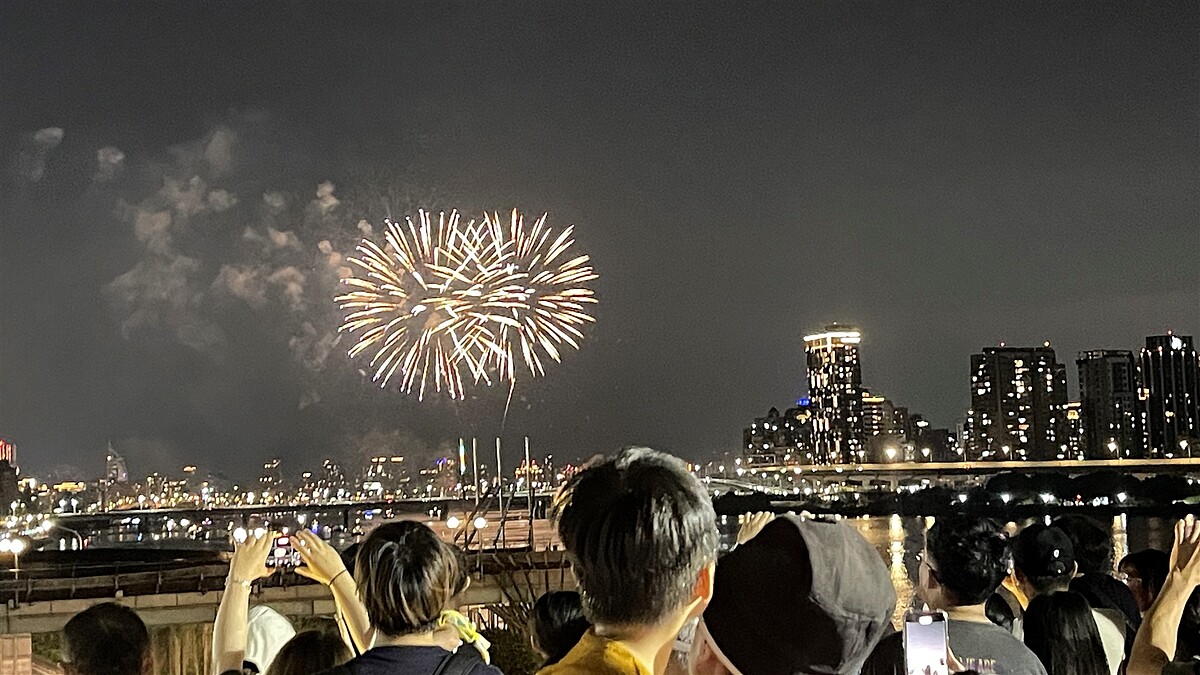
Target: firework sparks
point(442, 300)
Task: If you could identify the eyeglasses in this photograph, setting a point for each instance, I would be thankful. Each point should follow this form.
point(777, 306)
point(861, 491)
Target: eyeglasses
point(1129, 579)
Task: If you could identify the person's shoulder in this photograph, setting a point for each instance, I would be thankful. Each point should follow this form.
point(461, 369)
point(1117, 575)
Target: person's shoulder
point(482, 668)
point(981, 637)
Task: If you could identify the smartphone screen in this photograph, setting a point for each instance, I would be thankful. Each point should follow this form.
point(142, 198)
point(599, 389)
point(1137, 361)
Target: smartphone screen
point(925, 651)
point(282, 554)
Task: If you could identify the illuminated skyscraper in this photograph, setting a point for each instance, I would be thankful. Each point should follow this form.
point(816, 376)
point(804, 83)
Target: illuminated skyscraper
point(1018, 404)
point(835, 391)
point(1170, 396)
point(1109, 410)
point(8, 452)
point(114, 467)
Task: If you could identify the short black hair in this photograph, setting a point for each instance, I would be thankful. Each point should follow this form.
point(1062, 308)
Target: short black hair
point(1093, 543)
point(639, 527)
point(1151, 565)
point(971, 557)
point(557, 623)
point(405, 577)
point(106, 639)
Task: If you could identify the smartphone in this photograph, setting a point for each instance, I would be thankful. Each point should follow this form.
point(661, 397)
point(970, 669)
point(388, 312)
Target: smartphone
point(925, 647)
point(283, 554)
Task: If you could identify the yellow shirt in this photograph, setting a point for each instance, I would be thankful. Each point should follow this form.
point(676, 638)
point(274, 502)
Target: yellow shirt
point(597, 656)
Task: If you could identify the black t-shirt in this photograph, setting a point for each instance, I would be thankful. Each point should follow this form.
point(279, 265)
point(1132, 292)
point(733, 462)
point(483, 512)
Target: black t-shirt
point(403, 661)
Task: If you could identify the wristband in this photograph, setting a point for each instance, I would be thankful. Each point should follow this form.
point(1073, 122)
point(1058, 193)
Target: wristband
point(335, 577)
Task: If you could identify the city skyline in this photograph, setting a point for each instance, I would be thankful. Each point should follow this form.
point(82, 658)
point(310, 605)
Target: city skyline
point(176, 207)
point(1019, 408)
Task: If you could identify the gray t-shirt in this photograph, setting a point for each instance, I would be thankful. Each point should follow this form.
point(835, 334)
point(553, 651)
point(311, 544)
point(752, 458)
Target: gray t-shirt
point(984, 647)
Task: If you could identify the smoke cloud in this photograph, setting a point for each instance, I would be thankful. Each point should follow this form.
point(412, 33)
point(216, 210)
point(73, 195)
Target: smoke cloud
point(29, 162)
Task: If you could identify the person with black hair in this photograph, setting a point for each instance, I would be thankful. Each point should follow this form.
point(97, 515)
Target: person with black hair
point(963, 563)
point(106, 639)
point(1144, 573)
point(1094, 580)
point(556, 625)
point(1044, 562)
point(308, 652)
point(642, 537)
point(404, 577)
point(1060, 629)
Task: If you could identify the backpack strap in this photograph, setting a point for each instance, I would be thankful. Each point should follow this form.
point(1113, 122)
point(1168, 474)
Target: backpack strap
point(461, 662)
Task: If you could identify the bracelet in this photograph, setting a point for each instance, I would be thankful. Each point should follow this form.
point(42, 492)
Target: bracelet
point(335, 577)
point(244, 583)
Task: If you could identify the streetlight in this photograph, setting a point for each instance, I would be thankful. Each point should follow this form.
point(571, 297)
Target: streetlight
point(1112, 446)
point(49, 525)
point(891, 453)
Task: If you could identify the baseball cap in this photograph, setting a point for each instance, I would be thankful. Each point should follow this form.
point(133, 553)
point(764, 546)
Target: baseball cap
point(266, 633)
point(800, 597)
point(1044, 551)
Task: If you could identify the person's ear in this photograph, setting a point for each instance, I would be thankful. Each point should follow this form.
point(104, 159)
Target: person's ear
point(702, 592)
point(148, 663)
point(706, 582)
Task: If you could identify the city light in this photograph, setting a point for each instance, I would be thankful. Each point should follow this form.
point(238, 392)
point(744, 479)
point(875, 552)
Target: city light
point(480, 522)
point(453, 522)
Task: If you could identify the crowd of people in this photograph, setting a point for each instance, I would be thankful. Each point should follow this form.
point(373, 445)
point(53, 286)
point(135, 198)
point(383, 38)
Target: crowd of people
point(797, 595)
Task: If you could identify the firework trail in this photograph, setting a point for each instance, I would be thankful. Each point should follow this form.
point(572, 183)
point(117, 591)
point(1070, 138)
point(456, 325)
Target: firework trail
point(442, 300)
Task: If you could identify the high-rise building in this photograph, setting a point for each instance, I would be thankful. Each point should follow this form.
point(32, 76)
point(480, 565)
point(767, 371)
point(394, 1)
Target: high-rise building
point(780, 438)
point(1074, 431)
point(1170, 393)
point(1018, 404)
point(885, 426)
point(8, 452)
point(114, 467)
point(1109, 408)
point(835, 389)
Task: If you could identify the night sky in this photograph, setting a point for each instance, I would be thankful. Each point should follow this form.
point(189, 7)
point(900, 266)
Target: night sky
point(179, 181)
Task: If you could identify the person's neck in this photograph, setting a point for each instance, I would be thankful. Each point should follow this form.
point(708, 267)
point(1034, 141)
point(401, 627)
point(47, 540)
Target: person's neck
point(649, 644)
point(425, 639)
point(974, 613)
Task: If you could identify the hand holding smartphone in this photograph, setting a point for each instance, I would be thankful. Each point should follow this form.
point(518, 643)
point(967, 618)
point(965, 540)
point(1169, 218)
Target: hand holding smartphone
point(926, 649)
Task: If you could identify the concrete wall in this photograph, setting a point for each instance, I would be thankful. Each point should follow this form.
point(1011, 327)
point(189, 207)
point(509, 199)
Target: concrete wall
point(307, 600)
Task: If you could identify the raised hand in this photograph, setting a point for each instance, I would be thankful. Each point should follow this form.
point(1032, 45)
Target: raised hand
point(752, 524)
point(1184, 557)
point(249, 561)
point(322, 562)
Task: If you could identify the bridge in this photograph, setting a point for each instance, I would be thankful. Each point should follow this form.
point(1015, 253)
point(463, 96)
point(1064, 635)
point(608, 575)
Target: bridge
point(770, 477)
point(1149, 466)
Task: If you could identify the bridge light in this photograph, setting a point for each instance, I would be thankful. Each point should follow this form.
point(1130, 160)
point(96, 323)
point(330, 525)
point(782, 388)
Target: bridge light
point(480, 523)
point(453, 522)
